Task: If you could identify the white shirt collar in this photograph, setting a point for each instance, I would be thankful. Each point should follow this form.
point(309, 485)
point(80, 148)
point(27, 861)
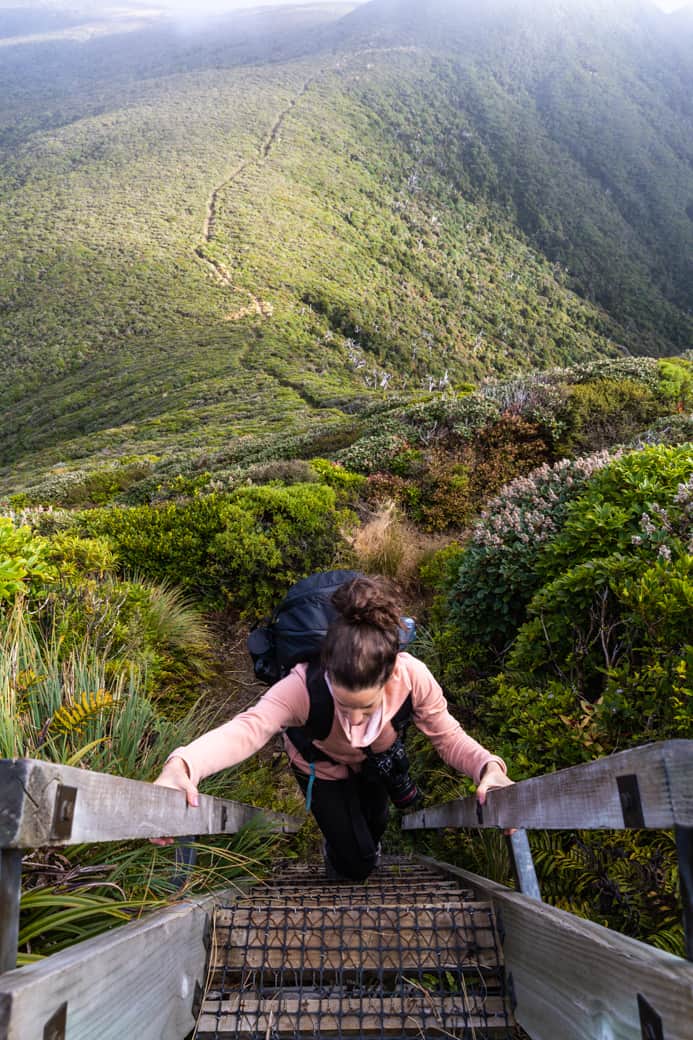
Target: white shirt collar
point(365, 733)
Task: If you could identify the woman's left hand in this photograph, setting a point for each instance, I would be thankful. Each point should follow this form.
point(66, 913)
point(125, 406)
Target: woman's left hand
point(493, 776)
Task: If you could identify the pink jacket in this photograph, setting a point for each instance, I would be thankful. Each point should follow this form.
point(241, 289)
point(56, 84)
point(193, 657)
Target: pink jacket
point(287, 704)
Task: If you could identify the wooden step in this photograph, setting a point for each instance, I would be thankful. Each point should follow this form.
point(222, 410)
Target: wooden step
point(404, 954)
point(312, 1016)
point(329, 939)
point(357, 895)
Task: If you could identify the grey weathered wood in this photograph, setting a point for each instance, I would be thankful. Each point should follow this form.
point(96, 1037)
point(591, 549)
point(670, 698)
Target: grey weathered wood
point(109, 808)
point(138, 980)
point(10, 891)
point(523, 861)
point(576, 980)
point(684, 846)
point(584, 797)
point(377, 1017)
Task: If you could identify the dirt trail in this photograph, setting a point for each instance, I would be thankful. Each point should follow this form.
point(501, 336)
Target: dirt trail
point(264, 152)
point(217, 269)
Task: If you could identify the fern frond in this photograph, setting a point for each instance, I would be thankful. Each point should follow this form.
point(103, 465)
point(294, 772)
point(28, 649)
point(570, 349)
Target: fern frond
point(73, 718)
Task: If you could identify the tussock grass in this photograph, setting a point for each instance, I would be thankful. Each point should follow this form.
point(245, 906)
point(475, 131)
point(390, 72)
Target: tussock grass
point(387, 543)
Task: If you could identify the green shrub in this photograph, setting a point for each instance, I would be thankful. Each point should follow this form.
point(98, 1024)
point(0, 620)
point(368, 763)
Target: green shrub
point(605, 412)
point(574, 628)
point(168, 542)
point(538, 728)
point(676, 382)
point(272, 537)
point(74, 556)
point(243, 548)
point(24, 561)
point(346, 483)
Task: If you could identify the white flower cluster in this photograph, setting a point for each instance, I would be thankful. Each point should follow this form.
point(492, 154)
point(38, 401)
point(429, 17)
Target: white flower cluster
point(528, 510)
point(665, 525)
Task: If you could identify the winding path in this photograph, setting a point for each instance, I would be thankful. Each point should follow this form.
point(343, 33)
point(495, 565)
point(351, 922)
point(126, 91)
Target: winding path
point(217, 269)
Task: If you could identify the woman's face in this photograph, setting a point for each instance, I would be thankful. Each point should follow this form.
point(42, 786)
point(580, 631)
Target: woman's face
point(357, 706)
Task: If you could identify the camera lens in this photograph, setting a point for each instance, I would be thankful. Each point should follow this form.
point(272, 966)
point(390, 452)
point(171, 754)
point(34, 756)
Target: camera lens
point(392, 768)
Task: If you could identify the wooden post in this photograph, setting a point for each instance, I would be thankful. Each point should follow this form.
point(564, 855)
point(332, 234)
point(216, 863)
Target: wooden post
point(10, 891)
point(684, 846)
point(523, 862)
point(186, 858)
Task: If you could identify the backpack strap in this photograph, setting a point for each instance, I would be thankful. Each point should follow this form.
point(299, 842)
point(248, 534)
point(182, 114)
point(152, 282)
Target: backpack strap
point(403, 716)
point(320, 717)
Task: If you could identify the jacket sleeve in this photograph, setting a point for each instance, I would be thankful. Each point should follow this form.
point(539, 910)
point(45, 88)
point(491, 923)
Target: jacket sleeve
point(431, 716)
point(285, 704)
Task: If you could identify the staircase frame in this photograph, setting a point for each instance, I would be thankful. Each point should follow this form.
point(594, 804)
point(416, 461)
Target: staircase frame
point(572, 979)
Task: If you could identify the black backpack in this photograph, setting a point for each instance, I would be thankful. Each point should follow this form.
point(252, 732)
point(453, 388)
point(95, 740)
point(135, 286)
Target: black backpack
point(297, 627)
point(294, 634)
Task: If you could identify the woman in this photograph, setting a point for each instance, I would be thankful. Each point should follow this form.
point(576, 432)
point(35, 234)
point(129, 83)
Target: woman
point(347, 776)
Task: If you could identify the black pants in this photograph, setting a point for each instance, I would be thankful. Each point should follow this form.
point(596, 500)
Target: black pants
point(352, 815)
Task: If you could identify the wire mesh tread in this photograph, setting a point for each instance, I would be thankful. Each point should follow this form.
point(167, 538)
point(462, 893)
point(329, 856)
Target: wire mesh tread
point(361, 895)
point(404, 954)
point(333, 938)
point(370, 1016)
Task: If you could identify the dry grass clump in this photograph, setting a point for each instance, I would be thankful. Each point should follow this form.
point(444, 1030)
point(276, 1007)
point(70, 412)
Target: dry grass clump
point(387, 543)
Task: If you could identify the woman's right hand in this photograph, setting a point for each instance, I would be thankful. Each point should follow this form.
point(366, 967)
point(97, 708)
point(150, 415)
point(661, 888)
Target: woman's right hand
point(175, 774)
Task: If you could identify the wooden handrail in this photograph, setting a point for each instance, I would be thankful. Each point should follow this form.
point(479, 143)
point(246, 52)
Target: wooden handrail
point(42, 803)
point(143, 979)
point(572, 979)
point(647, 787)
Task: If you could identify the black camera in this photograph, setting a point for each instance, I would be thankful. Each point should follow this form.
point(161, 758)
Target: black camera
point(392, 768)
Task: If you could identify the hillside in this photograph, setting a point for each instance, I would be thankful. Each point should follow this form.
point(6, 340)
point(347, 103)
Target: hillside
point(270, 224)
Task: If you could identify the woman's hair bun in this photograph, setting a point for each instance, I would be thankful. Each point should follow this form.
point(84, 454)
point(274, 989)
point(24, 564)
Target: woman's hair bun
point(369, 601)
point(361, 646)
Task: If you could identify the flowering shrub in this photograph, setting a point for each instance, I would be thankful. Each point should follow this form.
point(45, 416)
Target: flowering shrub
point(640, 499)
point(497, 576)
point(612, 618)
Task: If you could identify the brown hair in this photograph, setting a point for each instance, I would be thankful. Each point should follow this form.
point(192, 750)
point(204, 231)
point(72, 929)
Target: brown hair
point(361, 645)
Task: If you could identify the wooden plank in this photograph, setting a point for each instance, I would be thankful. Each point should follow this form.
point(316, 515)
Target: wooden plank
point(446, 902)
point(138, 980)
point(359, 895)
point(576, 980)
point(108, 808)
point(375, 1016)
point(10, 890)
point(324, 938)
point(584, 797)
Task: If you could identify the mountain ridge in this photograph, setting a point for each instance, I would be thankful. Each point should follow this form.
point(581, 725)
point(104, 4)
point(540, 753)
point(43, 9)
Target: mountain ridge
point(420, 214)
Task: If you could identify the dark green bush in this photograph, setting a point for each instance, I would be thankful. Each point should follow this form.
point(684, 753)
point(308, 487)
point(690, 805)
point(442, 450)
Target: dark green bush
point(165, 542)
point(244, 548)
point(604, 412)
point(272, 537)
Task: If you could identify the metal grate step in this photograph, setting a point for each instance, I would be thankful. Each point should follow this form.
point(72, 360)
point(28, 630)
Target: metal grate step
point(356, 961)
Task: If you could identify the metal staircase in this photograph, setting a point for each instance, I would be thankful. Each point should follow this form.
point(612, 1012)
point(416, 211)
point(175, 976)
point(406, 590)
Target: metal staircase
point(422, 949)
point(406, 954)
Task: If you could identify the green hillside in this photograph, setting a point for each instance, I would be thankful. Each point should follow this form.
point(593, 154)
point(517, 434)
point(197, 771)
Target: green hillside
point(250, 230)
